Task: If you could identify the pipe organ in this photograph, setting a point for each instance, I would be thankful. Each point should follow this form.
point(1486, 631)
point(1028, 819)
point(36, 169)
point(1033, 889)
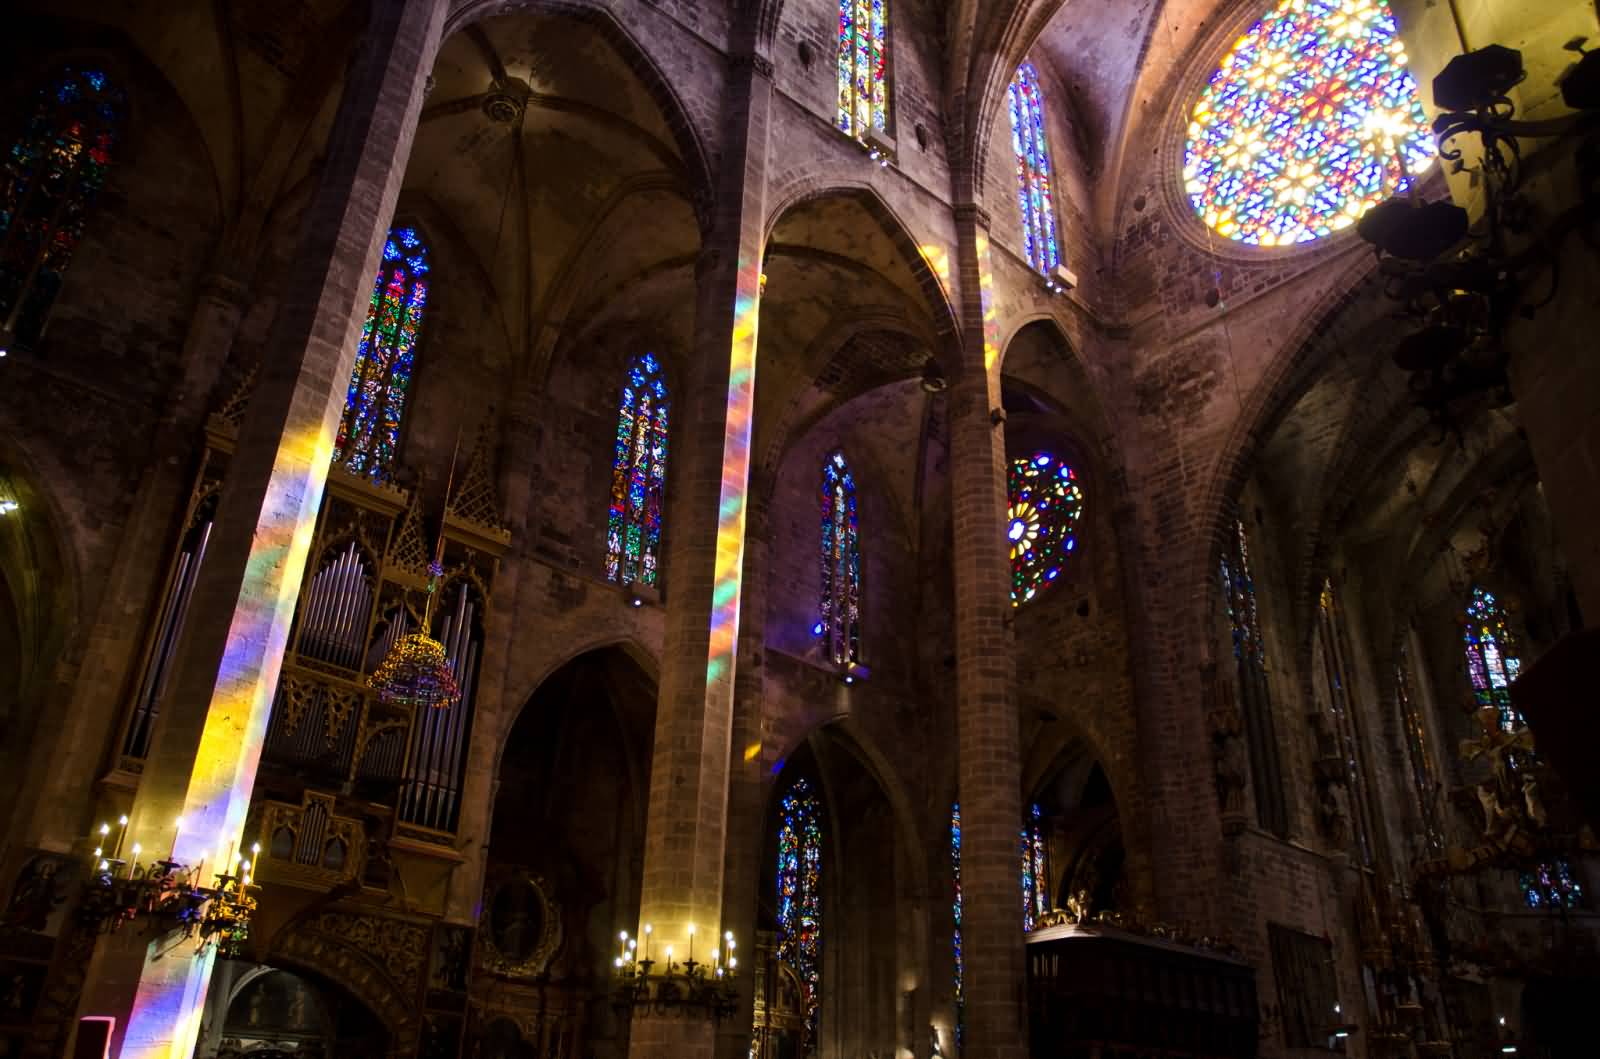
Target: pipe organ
point(366, 586)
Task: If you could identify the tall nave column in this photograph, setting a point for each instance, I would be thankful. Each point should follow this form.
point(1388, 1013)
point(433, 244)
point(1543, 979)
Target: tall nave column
point(686, 823)
point(990, 779)
point(202, 763)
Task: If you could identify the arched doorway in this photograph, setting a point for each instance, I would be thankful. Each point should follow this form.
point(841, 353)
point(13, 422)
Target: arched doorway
point(1083, 833)
point(829, 802)
point(267, 1012)
point(564, 857)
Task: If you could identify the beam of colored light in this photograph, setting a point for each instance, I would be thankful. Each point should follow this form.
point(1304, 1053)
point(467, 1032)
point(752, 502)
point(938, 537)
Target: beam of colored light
point(165, 1020)
point(731, 507)
point(938, 259)
point(991, 325)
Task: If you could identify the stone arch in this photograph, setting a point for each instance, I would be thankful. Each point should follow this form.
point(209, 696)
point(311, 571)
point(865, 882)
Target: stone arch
point(809, 187)
point(380, 961)
point(690, 129)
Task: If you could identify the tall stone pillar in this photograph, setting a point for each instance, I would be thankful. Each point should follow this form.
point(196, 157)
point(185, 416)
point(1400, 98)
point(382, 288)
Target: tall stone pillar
point(66, 758)
point(207, 742)
point(686, 825)
point(990, 769)
point(750, 762)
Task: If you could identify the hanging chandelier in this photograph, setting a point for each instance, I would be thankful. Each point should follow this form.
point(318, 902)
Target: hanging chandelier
point(417, 673)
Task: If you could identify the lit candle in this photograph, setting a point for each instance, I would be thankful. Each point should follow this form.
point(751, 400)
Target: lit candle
point(691, 942)
point(669, 959)
point(624, 955)
point(648, 930)
point(122, 830)
point(177, 829)
point(131, 867)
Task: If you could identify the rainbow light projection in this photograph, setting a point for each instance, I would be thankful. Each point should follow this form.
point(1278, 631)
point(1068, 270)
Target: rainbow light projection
point(165, 1020)
point(1311, 119)
point(986, 301)
point(732, 499)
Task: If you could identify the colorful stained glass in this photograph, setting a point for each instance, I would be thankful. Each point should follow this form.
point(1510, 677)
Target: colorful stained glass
point(955, 937)
point(840, 622)
point(1035, 869)
point(638, 476)
point(799, 897)
point(863, 66)
point(380, 382)
point(1239, 596)
point(1034, 197)
point(1311, 119)
point(1550, 885)
point(1046, 503)
point(48, 179)
point(1492, 662)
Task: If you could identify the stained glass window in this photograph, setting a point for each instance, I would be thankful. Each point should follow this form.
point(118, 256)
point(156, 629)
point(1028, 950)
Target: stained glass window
point(955, 938)
point(1492, 662)
point(1255, 704)
point(840, 621)
point(1311, 119)
point(1034, 196)
point(369, 432)
point(1035, 869)
point(863, 66)
point(799, 897)
point(48, 179)
point(1046, 502)
point(1550, 885)
point(638, 475)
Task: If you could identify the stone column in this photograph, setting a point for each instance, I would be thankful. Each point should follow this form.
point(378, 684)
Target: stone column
point(989, 769)
point(207, 742)
point(66, 759)
point(751, 760)
point(685, 828)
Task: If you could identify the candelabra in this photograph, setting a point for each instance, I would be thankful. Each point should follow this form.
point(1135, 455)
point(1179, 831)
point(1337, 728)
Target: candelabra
point(1464, 282)
point(169, 896)
point(690, 988)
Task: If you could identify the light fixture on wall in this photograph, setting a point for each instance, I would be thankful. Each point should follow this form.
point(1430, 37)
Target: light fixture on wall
point(691, 988)
point(169, 896)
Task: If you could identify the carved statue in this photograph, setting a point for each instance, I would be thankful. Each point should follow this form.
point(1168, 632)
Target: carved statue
point(1232, 771)
point(1078, 906)
point(1333, 814)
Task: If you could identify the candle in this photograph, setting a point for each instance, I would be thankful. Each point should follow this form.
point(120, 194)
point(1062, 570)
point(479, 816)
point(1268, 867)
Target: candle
point(122, 830)
point(624, 955)
point(648, 929)
point(137, 849)
point(177, 829)
point(691, 942)
point(669, 959)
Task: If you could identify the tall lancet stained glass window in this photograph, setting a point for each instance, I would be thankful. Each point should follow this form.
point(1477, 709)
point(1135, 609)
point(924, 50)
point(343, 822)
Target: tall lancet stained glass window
point(799, 896)
point(1034, 195)
point(1046, 502)
point(863, 66)
point(1035, 869)
point(638, 475)
point(1492, 662)
point(1310, 120)
point(955, 937)
point(380, 383)
point(840, 604)
point(48, 179)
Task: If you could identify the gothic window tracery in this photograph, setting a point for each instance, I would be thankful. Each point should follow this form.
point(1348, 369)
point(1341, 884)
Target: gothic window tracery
point(1310, 120)
point(840, 602)
point(1035, 196)
point(380, 382)
point(1046, 502)
point(799, 896)
point(638, 475)
point(863, 66)
point(1492, 662)
point(955, 909)
point(48, 180)
point(1255, 703)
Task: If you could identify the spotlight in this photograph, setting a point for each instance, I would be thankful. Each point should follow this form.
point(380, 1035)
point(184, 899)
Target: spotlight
point(933, 380)
point(1478, 79)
